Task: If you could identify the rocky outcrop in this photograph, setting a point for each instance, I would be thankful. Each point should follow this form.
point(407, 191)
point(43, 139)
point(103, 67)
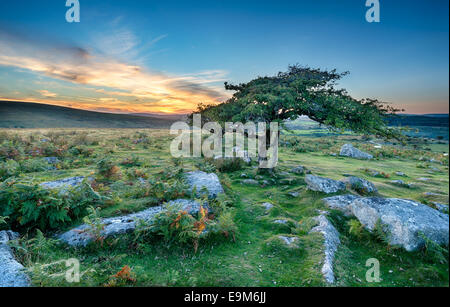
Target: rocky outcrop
point(325, 185)
point(11, 272)
point(362, 185)
point(341, 203)
point(349, 151)
point(80, 236)
point(405, 221)
point(63, 183)
point(331, 243)
point(201, 180)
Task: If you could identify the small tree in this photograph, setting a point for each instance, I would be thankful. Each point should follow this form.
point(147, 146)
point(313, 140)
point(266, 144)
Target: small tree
point(302, 91)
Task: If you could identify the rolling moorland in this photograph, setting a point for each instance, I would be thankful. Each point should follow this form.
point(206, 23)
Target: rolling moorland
point(235, 241)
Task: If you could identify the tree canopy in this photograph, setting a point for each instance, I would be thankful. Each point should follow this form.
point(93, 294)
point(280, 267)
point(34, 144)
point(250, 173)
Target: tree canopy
point(302, 91)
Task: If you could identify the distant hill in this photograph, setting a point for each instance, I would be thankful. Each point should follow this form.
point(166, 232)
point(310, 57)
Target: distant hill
point(34, 115)
point(426, 120)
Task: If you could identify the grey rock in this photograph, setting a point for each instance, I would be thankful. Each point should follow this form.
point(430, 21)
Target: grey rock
point(331, 243)
point(80, 236)
point(281, 221)
point(289, 241)
point(267, 206)
point(401, 183)
point(404, 220)
point(341, 203)
point(202, 180)
point(431, 194)
point(11, 272)
point(361, 184)
point(52, 160)
point(349, 151)
point(299, 170)
point(424, 179)
point(142, 181)
point(250, 182)
point(400, 174)
point(326, 185)
point(63, 183)
point(294, 194)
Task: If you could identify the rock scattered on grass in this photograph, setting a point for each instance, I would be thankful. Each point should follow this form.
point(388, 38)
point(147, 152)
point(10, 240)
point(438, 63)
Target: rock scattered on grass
point(349, 151)
point(81, 237)
point(11, 272)
point(202, 180)
point(250, 182)
point(51, 160)
point(341, 203)
point(267, 206)
point(325, 185)
point(401, 183)
point(299, 170)
point(405, 221)
point(362, 185)
point(425, 179)
point(331, 243)
point(294, 194)
point(289, 241)
point(63, 183)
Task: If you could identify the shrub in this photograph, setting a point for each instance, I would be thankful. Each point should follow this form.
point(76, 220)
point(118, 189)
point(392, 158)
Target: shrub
point(356, 229)
point(9, 150)
point(133, 161)
point(8, 169)
point(227, 165)
point(31, 206)
point(81, 150)
point(107, 169)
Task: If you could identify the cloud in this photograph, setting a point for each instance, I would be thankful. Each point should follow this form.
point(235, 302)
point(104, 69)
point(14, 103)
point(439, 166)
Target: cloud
point(47, 94)
point(122, 84)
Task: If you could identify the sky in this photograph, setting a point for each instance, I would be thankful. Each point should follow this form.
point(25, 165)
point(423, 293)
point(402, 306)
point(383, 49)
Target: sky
point(167, 56)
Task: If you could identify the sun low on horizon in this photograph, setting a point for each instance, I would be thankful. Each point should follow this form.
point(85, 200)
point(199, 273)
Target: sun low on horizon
point(166, 58)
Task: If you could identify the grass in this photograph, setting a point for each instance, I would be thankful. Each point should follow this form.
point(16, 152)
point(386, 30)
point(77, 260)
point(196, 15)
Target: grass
point(256, 258)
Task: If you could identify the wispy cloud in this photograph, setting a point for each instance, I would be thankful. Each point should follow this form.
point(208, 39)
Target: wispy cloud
point(119, 85)
point(47, 94)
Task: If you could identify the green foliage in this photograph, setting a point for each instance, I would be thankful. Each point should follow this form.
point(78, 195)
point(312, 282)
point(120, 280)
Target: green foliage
point(8, 169)
point(31, 206)
point(130, 162)
point(355, 228)
point(433, 251)
point(302, 91)
point(95, 225)
point(381, 233)
point(107, 169)
point(29, 251)
point(227, 165)
point(205, 166)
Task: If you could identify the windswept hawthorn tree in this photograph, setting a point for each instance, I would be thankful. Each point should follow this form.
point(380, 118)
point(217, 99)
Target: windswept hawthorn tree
point(302, 91)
